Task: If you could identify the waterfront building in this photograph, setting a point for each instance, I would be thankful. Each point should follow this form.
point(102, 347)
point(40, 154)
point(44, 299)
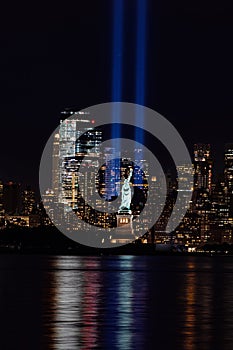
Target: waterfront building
point(55, 164)
point(201, 201)
point(28, 201)
point(2, 211)
point(11, 198)
point(31, 221)
point(203, 165)
point(228, 176)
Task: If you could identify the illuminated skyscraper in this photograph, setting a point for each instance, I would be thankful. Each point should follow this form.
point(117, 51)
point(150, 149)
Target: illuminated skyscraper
point(76, 138)
point(79, 142)
point(186, 173)
point(2, 212)
point(221, 230)
point(55, 164)
point(28, 201)
point(228, 169)
point(201, 201)
point(228, 175)
point(202, 167)
point(47, 208)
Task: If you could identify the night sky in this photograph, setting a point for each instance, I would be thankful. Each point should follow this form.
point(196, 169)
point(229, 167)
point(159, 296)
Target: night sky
point(55, 56)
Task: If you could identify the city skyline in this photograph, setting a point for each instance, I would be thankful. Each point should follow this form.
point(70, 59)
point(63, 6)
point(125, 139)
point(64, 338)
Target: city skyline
point(209, 217)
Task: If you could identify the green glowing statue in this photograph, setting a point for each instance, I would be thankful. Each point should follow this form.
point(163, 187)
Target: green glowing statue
point(126, 194)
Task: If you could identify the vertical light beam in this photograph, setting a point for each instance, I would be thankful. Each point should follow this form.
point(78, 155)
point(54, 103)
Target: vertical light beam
point(117, 73)
point(140, 64)
point(117, 64)
point(117, 50)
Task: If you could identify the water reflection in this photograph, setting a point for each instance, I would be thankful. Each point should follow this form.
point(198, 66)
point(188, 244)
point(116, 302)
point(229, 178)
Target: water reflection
point(124, 304)
point(91, 303)
point(72, 303)
point(91, 285)
point(189, 331)
point(118, 302)
point(198, 308)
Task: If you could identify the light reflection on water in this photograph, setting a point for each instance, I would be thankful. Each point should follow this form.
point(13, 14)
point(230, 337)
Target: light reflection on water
point(124, 295)
point(116, 302)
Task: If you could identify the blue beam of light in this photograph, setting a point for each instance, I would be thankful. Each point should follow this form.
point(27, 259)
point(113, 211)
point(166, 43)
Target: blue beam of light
point(140, 72)
point(117, 54)
point(117, 77)
point(117, 64)
point(140, 64)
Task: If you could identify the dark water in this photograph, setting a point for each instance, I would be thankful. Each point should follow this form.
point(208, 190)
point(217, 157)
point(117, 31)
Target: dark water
point(119, 302)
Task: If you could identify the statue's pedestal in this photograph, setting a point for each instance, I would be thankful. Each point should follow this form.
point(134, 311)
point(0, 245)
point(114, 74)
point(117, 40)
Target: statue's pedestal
point(125, 220)
point(125, 228)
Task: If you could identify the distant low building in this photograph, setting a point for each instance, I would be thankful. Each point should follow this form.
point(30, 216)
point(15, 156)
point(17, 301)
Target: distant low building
point(22, 220)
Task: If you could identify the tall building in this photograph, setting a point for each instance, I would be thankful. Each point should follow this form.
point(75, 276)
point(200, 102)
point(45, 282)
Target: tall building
point(228, 169)
point(165, 212)
point(28, 201)
point(78, 145)
point(202, 207)
point(47, 208)
point(55, 164)
point(188, 233)
point(11, 198)
point(76, 138)
point(2, 212)
point(201, 201)
point(221, 230)
point(202, 167)
point(228, 175)
point(109, 179)
point(186, 173)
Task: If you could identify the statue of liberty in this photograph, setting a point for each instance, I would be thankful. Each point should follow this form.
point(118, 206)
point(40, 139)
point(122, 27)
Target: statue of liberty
point(126, 194)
